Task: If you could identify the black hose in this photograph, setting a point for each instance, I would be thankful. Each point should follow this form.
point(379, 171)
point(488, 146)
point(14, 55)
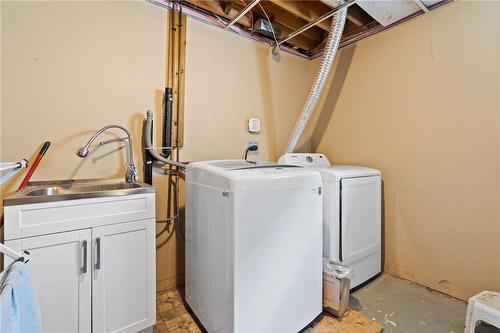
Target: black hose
point(167, 123)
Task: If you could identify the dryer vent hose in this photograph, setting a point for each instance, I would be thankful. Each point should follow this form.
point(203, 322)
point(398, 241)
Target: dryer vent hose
point(332, 44)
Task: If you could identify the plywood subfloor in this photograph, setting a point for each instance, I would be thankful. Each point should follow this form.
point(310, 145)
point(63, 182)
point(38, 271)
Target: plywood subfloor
point(172, 316)
point(352, 322)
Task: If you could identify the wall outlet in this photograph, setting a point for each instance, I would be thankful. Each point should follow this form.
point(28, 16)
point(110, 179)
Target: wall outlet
point(250, 143)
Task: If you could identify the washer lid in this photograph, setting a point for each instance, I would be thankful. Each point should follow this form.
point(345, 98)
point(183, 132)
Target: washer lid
point(238, 164)
point(239, 175)
point(338, 172)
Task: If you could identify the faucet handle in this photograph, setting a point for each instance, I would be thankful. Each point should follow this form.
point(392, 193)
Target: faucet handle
point(131, 168)
point(131, 175)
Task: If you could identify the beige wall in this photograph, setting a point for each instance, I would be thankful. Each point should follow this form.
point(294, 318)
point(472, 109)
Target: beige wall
point(421, 102)
point(69, 68)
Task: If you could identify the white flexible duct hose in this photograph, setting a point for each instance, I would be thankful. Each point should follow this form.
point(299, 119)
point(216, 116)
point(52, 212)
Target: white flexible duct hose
point(332, 44)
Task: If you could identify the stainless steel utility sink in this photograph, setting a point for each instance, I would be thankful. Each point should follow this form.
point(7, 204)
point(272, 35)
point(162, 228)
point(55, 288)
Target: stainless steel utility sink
point(59, 190)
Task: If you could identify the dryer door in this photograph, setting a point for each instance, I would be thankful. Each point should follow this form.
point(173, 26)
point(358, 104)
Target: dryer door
point(360, 226)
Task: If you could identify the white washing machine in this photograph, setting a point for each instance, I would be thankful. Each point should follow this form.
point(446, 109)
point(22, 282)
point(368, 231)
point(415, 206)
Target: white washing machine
point(253, 246)
point(352, 214)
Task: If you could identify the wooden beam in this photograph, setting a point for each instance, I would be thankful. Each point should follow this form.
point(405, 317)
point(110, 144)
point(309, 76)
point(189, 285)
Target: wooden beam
point(307, 10)
point(216, 8)
point(358, 16)
point(358, 30)
point(226, 5)
point(285, 19)
point(301, 41)
point(354, 20)
point(177, 25)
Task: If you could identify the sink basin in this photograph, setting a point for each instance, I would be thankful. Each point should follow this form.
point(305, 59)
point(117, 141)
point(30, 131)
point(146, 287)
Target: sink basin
point(59, 190)
point(46, 191)
point(38, 192)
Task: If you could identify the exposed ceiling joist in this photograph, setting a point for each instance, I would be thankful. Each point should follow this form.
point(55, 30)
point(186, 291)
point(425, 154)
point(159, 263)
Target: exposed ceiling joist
point(302, 30)
point(216, 7)
point(308, 11)
point(227, 6)
point(357, 16)
point(242, 13)
point(286, 19)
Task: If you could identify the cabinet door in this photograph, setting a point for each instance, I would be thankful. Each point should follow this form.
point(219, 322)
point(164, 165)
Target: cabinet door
point(60, 264)
point(124, 277)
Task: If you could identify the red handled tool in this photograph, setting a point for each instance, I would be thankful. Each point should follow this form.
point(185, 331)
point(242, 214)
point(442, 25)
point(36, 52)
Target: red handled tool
point(31, 170)
point(33, 167)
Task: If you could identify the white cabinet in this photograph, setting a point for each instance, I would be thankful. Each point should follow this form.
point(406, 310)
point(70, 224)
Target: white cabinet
point(123, 279)
point(100, 278)
point(60, 268)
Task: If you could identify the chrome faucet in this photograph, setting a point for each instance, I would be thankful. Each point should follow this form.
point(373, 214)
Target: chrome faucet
point(131, 174)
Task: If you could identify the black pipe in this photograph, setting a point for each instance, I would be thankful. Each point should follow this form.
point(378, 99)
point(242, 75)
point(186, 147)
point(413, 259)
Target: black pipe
point(167, 123)
point(148, 164)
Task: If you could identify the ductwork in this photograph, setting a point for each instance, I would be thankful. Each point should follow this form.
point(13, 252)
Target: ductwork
point(332, 44)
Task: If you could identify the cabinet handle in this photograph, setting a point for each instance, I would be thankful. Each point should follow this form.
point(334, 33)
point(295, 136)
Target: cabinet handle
point(98, 255)
point(83, 269)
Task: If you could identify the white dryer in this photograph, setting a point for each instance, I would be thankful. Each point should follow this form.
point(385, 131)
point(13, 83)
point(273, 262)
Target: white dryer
point(352, 214)
point(253, 246)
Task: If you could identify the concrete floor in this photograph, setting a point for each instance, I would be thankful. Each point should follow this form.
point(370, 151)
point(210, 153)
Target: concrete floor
point(402, 306)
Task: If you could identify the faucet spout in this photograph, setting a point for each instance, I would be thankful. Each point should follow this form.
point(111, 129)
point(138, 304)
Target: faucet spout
point(131, 174)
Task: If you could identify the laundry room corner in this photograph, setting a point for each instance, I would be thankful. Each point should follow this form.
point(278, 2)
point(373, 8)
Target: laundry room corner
point(425, 142)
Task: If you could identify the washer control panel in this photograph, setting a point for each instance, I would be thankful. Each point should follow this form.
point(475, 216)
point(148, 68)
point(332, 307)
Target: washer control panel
point(304, 159)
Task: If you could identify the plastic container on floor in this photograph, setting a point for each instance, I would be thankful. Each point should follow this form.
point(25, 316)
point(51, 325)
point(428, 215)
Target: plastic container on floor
point(336, 286)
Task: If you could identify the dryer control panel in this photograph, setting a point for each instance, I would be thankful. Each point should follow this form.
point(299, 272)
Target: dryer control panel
point(304, 160)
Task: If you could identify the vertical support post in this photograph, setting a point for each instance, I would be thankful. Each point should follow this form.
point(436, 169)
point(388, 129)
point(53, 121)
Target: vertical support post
point(175, 92)
point(176, 72)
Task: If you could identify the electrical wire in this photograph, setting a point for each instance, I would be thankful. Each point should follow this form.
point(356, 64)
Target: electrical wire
point(272, 28)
